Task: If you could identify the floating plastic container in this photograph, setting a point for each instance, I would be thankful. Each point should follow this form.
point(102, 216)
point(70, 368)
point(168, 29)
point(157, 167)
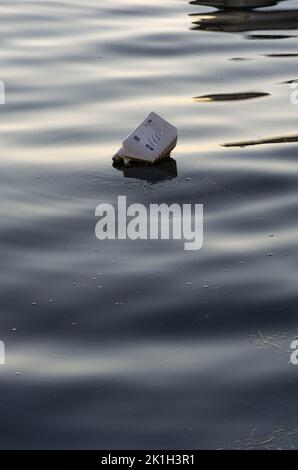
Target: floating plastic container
point(151, 141)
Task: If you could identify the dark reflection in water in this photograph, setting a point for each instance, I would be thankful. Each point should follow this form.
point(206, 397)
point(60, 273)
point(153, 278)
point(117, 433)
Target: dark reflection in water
point(163, 170)
point(229, 97)
point(233, 19)
point(264, 37)
point(281, 55)
point(288, 82)
point(236, 4)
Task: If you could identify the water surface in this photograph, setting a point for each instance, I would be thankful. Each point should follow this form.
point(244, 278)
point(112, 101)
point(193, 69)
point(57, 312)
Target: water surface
point(122, 344)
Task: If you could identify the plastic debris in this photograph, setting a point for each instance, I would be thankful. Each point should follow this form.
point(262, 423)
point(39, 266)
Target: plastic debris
point(151, 141)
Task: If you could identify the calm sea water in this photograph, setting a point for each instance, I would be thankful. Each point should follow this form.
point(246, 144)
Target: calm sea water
point(176, 349)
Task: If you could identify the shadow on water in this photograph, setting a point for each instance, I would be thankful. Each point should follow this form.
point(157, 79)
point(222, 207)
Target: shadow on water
point(229, 97)
point(263, 37)
point(164, 170)
point(237, 4)
point(237, 17)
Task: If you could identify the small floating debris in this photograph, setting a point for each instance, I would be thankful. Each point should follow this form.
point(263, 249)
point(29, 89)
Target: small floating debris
point(271, 140)
point(280, 438)
point(151, 141)
point(277, 342)
point(34, 303)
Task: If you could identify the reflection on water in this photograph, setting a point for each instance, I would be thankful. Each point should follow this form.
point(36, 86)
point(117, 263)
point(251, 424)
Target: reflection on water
point(263, 37)
point(236, 4)
point(122, 344)
point(163, 170)
point(243, 18)
point(288, 82)
point(229, 97)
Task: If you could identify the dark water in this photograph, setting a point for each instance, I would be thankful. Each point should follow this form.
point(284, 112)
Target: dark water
point(177, 349)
